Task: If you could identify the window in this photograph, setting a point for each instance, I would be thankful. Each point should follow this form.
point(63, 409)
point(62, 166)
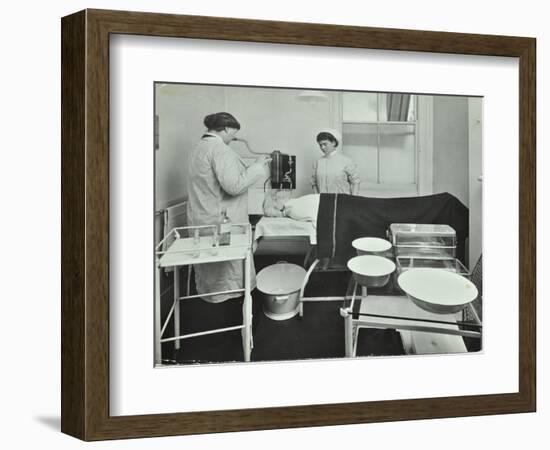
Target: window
point(380, 134)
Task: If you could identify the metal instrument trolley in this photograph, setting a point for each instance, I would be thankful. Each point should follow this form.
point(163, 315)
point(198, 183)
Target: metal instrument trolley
point(202, 249)
point(399, 313)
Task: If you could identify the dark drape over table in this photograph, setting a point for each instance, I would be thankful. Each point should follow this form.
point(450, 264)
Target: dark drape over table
point(343, 218)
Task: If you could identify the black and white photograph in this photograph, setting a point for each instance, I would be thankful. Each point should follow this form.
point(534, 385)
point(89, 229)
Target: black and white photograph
point(297, 224)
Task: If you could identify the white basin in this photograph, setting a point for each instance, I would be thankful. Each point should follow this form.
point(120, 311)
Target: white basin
point(436, 290)
point(371, 270)
point(371, 245)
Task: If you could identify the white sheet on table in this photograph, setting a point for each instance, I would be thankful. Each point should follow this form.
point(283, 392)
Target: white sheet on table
point(284, 226)
point(304, 208)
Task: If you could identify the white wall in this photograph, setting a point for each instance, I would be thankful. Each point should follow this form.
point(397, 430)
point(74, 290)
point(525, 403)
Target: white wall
point(275, 119)
point(31, 192)
point(455, 155)
point(181, 110)
point(475, 115)
point(450, 148)
point(271, 119)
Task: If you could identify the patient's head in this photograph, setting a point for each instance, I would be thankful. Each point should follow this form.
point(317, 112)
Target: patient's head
point(274, 202)
point(282, 195)
point(278, 203)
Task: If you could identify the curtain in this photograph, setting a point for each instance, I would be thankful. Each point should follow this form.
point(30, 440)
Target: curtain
point(397, 106)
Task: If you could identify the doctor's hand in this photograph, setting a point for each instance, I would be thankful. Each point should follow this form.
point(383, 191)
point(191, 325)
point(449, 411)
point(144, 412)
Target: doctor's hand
point(263, 160)
point(263, 163)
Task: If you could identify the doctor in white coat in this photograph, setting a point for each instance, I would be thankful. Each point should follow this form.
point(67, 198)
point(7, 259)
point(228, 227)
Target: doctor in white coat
point(219, 179)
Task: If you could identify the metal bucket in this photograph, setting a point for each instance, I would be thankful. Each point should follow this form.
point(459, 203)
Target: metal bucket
point(280, 286)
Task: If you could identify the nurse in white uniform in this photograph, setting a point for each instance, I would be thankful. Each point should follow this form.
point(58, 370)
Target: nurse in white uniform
point(334, 172)
point(219, 179)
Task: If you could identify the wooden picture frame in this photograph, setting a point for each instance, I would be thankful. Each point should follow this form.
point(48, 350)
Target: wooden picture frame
point(85, 224)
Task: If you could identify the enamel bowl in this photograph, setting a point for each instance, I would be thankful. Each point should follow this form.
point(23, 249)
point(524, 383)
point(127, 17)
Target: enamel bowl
point(371, 270)
point(436, 290)
point(371, 246)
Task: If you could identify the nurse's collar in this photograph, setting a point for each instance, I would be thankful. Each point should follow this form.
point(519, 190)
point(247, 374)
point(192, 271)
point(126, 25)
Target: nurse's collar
point(211, 134)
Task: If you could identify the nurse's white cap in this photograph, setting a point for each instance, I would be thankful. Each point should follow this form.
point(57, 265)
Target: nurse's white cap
point(334, 133)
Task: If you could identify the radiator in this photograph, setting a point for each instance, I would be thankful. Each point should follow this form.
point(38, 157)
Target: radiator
point(168, 218)
point(174, 216)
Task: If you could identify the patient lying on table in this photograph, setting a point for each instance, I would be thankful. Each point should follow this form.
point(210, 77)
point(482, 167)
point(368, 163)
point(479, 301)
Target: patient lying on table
point(277, 203)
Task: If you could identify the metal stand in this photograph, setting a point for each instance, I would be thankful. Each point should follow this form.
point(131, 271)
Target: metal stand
point(400, 323)
point(184, 251)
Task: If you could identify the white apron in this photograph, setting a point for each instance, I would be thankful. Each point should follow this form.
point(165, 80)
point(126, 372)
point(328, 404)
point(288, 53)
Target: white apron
point(334, 174)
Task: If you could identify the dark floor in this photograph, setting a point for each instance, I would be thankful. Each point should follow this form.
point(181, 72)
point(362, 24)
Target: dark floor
point(319, 334)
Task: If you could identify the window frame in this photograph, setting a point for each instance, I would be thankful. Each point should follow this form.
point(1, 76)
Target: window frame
point(423, 148)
